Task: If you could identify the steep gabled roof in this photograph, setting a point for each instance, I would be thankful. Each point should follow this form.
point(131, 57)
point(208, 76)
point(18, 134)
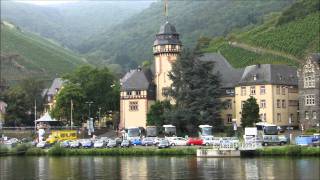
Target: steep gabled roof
point(315, 57)
point(269, 74)
point(229, 75)
point(56, 85)
point(136, 79)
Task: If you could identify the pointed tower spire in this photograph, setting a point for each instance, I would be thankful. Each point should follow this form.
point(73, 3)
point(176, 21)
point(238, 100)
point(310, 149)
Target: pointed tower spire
point(166, 9)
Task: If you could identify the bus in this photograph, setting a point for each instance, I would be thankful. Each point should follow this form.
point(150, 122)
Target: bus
point(133, 133)
point(266, 128)
point(170, 130)
point(205, 131)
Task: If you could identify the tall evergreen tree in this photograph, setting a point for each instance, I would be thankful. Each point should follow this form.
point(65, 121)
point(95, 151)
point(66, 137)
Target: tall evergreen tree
point(250, 113)
point(196, 90)
point(156, 115)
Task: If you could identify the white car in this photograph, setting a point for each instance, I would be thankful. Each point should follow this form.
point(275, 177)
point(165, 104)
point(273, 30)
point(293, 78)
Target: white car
point(178, 141)
point(208, 141)
point(41, 144)
point(99, 143)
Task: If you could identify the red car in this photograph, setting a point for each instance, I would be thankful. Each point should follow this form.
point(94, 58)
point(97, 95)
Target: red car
point(194, 141)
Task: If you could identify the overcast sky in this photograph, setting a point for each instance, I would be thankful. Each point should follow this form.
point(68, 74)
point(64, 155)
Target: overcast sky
point(47, 2)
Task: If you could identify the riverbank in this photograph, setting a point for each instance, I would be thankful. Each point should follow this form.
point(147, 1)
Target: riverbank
point(28, 150)
point(290, 150)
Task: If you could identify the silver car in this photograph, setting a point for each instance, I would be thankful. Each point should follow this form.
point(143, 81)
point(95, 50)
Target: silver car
point(99, 143)
point(112, 143)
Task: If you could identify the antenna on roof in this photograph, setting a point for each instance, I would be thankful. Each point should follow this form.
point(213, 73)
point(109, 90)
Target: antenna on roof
point(166, 9)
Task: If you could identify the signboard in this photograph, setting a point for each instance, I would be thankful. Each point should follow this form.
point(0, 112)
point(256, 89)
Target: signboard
point(90, 126)
point(250, 131)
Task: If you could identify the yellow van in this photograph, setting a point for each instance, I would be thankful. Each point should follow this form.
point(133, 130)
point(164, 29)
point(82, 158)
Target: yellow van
point(61, 135)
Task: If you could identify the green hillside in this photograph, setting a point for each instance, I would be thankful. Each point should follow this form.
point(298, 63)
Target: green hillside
point(27, 55)
point(130, 42)
point(285, 38)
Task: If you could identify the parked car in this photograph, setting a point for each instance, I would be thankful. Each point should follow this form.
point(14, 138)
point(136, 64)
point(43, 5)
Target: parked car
point(316, 140)
point(136, 142)
point(74, 144)
point(112, 143)
point(157, 140)
point(42, 144)
point(99, 143)
point(207, 141)
point(164, 144)
point(87, 143)
point(65, 144)
point(178, 141)
point(194, 141)
point(148, 141)
point(274, 140)
point(125, 143)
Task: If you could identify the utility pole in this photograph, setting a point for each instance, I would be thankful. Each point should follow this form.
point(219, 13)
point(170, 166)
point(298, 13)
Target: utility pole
point(99, 117)
point(35, 114)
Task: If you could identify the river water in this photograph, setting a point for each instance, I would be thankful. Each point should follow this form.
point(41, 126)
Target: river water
point(155, 167)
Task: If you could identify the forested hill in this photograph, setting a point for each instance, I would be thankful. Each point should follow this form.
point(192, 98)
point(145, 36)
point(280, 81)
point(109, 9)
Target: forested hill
point(130, 42)
point(285, 38)
point(26, 55)
point(72, 23)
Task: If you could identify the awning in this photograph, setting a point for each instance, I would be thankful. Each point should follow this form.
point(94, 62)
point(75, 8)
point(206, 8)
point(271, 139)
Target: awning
point(46, 118)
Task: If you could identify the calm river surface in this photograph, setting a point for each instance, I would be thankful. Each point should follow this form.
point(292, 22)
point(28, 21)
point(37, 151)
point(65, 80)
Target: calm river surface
point(97, 167)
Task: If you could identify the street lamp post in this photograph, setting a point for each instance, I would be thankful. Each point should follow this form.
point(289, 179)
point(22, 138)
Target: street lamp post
point(89, 117)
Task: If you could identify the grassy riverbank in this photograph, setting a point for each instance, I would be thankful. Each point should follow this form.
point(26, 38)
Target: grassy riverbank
point(133, 151)
point(28, 150)
point(288, 151)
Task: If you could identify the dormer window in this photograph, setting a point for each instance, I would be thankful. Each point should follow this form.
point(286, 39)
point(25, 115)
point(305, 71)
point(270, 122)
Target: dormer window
point(129, 93)
point(254, 77)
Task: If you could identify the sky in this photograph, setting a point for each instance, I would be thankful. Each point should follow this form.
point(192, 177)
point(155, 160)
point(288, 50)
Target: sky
point(47, 2)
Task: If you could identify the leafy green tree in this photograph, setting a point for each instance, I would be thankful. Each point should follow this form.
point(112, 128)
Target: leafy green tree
point(196, 90)
point(250, 113)
point(70, 95)
point(85, 84)
point(21, 100)
point(157, 113)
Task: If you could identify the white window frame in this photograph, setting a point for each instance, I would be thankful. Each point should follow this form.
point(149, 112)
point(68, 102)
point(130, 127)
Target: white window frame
point(309, 100)
point(262, 90)
point(263, 103)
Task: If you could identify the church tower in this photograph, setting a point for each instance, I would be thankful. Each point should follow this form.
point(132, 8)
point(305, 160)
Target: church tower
point(166, 50)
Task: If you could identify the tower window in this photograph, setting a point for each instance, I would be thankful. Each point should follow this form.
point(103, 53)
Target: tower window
point(129, 93)
point(229, 118)
point(133, 106)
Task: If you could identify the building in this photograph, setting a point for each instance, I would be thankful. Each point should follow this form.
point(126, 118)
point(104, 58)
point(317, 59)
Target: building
point(136, 96)
point(276, 89)
point(229, 77)
point(166, 49)
point(3, 107)
point(140, 88)
point(309, 91)
point(51, 93)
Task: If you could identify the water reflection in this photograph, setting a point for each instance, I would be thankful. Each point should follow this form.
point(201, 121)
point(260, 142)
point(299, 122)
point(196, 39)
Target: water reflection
point(157, 168)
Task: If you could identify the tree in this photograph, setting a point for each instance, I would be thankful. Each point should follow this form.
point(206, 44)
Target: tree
point(21, 100)
point(157, 113)
point(87, 83)
point(196, 90)
point(70, 95)
point(250, 113)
